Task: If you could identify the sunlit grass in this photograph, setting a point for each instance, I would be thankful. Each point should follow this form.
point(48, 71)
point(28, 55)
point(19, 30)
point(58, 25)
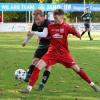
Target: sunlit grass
point(63, 84)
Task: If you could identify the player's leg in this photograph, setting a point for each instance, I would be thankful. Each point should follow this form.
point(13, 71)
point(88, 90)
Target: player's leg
point(45, 78)
point(70, 62)
point(37, 56)
point(89, 34)
point(36, 71)
point(47, 60)
point(84, 30)
point(31, 68)
point(85, 77)
point(34, 77)
point(83, 33)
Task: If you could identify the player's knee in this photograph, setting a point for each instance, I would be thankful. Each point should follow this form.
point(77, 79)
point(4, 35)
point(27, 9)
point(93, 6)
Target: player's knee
point(35, 61)
point(76, 68)
point(48, 68)
point(40, 64)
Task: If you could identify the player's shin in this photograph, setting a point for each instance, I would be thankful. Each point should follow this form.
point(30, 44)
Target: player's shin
point(32, 81)
point(31, 68)
point(90, 35)
point(44, 80)
point(82, 33)
point(33, 78)
point(45, 76)
point(35, 74)
point(84, 76)
point(29, 72)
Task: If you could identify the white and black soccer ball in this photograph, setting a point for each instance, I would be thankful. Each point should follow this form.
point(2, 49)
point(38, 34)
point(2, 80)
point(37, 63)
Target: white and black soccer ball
point(20, 74)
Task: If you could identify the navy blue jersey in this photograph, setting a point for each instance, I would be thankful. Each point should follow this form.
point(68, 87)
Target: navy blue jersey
point(86, 17)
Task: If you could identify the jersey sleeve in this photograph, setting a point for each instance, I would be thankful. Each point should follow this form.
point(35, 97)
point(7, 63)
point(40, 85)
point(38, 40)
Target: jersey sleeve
point(73, 31)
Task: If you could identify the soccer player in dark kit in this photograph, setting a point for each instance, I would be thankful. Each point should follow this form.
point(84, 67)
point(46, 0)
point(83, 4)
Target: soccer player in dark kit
point(86, 17)
point(40, 24)
point(58, 51)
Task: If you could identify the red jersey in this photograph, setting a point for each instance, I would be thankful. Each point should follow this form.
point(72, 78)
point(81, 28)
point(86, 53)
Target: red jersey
point(58, 51)
point(59, 34)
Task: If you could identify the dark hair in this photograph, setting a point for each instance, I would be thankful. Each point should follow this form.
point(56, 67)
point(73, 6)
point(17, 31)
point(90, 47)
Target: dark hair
point(58, 12)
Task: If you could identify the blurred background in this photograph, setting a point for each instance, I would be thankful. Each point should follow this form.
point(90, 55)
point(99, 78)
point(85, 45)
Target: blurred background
point(69, 16)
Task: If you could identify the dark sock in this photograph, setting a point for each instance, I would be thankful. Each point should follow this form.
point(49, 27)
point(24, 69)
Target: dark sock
point(29, 72)
point(45, 77)
point(89, 35)
point(31, 68)
point(82, 33)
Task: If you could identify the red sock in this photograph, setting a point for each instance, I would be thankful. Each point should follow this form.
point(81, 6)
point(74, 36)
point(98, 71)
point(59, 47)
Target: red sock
point(34, 76)
point(84, 76)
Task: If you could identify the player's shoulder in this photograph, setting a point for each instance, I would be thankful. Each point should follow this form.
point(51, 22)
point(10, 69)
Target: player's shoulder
point(69, 26)
point(66, 24)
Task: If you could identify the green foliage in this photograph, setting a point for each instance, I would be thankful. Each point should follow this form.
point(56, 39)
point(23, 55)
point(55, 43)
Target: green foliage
point(16, 16)
point(57, 1)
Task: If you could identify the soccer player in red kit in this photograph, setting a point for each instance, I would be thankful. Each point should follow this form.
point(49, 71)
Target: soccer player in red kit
point(58, 51)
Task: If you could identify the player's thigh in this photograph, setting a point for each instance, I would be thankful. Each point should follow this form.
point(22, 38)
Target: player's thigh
point(39, 53)
point(68, 61)
point(87, 26)
point(50, 60)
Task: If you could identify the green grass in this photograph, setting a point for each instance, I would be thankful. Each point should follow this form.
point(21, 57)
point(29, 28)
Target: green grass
point(62, 83)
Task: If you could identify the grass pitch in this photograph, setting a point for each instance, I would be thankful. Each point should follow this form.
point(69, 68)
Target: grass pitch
point(63, 83)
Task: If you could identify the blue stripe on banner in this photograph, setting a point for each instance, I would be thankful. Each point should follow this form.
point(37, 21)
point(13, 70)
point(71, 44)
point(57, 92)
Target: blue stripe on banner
point(47, 7)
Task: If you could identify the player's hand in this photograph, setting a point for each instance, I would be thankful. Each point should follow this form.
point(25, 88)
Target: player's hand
point(29, 33)
point(23, 44)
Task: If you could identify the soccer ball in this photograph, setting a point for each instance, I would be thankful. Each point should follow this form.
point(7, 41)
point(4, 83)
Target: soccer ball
point(20, 74)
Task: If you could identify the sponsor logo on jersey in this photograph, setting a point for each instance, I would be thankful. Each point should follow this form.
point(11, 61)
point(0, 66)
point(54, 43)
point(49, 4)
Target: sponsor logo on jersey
point(62, 30)
point(55, 30)
point(57, 35)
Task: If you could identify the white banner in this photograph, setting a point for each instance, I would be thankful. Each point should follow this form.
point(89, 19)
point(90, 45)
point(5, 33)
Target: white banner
point(94, 26)
point(24, 27)
point(14, 27)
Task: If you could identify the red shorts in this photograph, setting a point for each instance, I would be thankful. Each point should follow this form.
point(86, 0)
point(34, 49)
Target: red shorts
point(52, 58)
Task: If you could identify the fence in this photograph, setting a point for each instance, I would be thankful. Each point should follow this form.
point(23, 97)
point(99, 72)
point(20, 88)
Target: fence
point(24, 27)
